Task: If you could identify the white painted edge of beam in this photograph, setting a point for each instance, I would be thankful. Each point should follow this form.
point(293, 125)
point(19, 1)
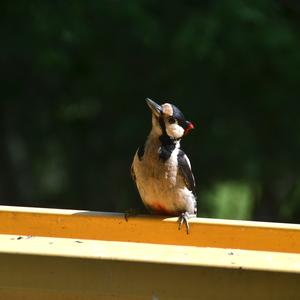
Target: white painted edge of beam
point(150, 253)
point(212, 221)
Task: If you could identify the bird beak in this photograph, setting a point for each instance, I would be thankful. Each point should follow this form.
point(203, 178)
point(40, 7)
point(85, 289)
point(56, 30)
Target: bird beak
point(155, 108)
point(189, 126)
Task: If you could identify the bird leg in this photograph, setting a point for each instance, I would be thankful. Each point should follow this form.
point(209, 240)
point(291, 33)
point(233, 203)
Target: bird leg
point(131, 212)
point(184, 218)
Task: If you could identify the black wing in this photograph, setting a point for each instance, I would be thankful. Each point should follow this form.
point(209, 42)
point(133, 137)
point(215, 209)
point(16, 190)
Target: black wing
point(184, 167)
point(140, 153)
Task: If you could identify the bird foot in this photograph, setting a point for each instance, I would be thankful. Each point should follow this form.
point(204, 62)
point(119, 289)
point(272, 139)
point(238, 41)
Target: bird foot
point(131, 212)
point(184, 218)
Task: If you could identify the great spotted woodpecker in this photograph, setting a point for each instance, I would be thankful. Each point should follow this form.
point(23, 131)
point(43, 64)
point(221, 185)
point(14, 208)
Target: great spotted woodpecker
point(161, 170)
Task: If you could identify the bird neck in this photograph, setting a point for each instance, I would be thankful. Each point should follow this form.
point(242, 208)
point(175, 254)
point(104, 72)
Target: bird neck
point(168, 145)
point(166, 141)
point(161, 144)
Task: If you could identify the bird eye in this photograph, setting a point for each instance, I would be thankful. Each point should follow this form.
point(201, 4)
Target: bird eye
point(171, 120)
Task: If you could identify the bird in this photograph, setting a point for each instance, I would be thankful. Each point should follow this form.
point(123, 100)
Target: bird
point(161, 170)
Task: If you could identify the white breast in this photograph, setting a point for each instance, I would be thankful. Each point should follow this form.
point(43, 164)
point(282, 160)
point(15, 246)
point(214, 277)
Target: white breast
point(161, 187)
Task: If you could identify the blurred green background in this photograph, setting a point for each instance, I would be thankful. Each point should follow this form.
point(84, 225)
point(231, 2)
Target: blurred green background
point(74, 76)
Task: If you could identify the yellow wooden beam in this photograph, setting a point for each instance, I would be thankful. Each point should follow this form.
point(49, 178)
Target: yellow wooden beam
point(80, 255)
point(148, 229)
point(151, 253)
point(35, 268)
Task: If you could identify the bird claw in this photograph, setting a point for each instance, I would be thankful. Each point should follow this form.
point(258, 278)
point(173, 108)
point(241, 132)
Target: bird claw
point(132, 212)
point(184, 218)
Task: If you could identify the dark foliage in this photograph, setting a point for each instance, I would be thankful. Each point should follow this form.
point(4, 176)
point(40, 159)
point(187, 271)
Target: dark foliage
point(75, 75)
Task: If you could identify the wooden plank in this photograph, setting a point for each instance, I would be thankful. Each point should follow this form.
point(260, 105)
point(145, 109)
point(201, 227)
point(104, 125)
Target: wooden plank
point(57, 268)
point(148, 229)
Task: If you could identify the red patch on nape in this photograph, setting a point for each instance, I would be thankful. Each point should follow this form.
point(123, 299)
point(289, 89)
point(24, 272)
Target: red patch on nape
point(189, 127)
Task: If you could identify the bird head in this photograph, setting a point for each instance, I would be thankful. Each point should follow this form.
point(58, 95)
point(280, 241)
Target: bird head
point(168, 120)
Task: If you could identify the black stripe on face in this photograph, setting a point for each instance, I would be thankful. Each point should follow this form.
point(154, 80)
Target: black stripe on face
point(167, 144)
point(162, 125)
